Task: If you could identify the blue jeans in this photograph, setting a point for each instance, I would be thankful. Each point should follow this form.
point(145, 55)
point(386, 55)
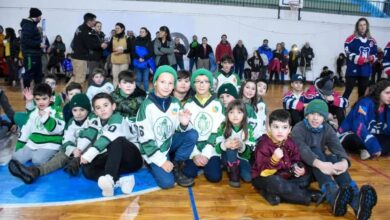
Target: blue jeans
point(342, 180)
point(142, 76)
point(245, 168)
point(179, 64)
point(181, 148)
point(239, 68)
point(193, 62)
point(212, 170)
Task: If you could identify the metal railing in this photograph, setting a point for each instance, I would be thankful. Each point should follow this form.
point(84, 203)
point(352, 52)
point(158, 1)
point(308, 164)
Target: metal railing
point(374, 8)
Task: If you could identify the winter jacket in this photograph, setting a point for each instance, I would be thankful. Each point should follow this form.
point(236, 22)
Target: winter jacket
point(307, 56)
point(222, 50)
point(182, 51)
point(200, 52)
point(143, 48)
point(193, 47)
point(264, 49)
point(240, 54)
point(159, 51)
point(84, 43)
point(31, 38)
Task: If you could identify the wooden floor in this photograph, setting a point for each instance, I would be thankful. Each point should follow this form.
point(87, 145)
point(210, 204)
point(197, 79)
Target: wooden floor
point(213, 201)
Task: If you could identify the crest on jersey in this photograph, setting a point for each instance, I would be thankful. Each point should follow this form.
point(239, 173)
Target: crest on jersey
point(362, 110)
point(162, 128)
point(203, 123)
point(175, 111)
point(364, 51)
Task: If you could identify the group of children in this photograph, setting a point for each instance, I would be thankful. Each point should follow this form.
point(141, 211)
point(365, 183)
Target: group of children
point(189, 123)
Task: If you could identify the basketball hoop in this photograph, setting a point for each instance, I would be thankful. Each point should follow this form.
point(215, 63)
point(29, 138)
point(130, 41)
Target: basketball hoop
point(294, 5)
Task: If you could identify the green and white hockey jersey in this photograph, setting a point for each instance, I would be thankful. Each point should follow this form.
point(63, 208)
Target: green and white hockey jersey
point(156, 128)
point(72, 133)
point(99, 135)
point(232, 78)
point(262, 116)
point(42, 132)
point(253, 121)
point(247, 146)
point(205, 120)
point(57, 101)
point(92, 90)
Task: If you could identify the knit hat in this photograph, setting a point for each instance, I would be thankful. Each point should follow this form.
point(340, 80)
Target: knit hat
point(165, 69)
point(80, 100)
point(317, 106)
point(324, 85)
point(35, 12)
point(228, 88)
point(200, 72)
point(297, 77)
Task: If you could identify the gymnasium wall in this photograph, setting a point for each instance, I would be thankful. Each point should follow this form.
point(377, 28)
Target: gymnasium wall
point(325, 32)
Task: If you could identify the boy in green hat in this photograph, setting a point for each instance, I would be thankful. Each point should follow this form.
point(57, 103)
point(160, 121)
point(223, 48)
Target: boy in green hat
point(321, 150)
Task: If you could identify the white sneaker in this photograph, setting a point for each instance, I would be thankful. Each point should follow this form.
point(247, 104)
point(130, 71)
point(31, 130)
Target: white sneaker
point(126, 183)
point(106, 184)
point(364, 155)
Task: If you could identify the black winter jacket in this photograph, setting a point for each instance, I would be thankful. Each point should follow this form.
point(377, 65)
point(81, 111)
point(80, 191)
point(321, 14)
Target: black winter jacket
point(84, 43)
point(31, 38)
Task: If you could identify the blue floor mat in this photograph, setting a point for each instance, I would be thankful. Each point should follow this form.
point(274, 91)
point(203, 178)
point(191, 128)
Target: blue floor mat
point(59, 188)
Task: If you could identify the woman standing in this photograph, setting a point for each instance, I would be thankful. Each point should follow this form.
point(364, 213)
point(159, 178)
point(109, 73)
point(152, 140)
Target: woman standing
point(120, 46)
point(143, 58)
point(12, 49)
point(293, 60)
point(164, 48)
point(57, 54)
point(203, 51)
point(361, 50)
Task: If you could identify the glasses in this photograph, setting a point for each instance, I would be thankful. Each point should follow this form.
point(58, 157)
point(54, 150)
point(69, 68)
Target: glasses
point(201, 82)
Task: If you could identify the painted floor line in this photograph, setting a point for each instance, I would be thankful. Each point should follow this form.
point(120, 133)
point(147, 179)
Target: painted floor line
point(372, 168)
point(193, 204)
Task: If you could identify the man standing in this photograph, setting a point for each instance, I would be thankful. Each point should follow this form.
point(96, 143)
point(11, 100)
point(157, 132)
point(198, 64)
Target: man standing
point(179, 50)
point(223, 48)
point(83, 45)
point(31, 45)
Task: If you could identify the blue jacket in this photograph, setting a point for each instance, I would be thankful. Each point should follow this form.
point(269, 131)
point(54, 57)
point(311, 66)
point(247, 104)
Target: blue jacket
point(67, 65)
point(356, 47)
point(386, 60)
point(264, 49)
point(363, 121)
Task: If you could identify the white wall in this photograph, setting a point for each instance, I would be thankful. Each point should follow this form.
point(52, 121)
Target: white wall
point(325, 32)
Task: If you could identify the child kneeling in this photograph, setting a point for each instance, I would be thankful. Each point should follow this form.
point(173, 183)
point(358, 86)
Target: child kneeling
point(278, 171)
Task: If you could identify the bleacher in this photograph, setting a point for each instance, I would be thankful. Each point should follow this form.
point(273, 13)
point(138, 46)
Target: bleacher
point(373, 8)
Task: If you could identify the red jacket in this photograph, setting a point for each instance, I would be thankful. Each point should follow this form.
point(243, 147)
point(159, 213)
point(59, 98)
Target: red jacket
point(223, 49)
point(265, 165)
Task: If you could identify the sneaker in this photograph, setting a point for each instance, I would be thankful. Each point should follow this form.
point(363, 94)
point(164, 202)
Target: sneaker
point(180, 177)
point(234, 174)
point(367, 200)
point(106, 184)
point(271, 199)
point(342, 199)
point(26, 174)
point(126, 183)
point(364, 155)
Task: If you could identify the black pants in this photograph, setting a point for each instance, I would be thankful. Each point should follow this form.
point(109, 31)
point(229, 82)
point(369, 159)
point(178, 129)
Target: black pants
point(354, 144)
point(121, 157)
point(338, 112)
point(362, 83)
point(33, 67)
point(291, 190)
point(292, 68)
point(296, 116)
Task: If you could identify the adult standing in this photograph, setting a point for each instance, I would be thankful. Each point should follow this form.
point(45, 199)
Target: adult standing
point(31, 45)
point(223, 48)
point(83, 45)
point(12, 49)
point(96, 59)
point(307, 55)
point(164, 48)
point(293, 59)
point(266, 54)
point(121, 48)
point(193, 59)
point(361, 50)
point(386, 60)
point(203, 54)
point(2, 49)
point(240, 55)
point(143, 58)
point(180, 50)
point(57, 54)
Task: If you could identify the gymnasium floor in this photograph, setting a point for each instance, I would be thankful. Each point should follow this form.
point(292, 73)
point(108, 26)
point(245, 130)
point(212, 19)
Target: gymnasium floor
point(206, 200)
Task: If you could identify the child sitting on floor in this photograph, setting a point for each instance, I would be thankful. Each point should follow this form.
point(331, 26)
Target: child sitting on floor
point(294, 100)
point(68, 154)
point(98, 84)
point(278, 171)
point(235, 142)
point(322, 152)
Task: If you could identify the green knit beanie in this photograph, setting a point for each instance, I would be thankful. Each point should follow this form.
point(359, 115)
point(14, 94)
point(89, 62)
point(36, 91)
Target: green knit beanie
point(200, 72)
point(229, 89)
point(165, 69)
point(317, 106)
point(80, 100)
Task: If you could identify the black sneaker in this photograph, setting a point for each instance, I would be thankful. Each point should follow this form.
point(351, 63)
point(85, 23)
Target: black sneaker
point(342, 199)
point(367, 200)
point(180, 178)
point(26, 174)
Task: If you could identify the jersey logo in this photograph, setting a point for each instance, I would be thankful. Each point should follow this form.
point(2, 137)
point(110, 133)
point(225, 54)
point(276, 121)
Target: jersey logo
point(362, 110)
point(174, 111)
point(203, 124)
point(364, 51)
point(215, 109)
point(162, 128)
